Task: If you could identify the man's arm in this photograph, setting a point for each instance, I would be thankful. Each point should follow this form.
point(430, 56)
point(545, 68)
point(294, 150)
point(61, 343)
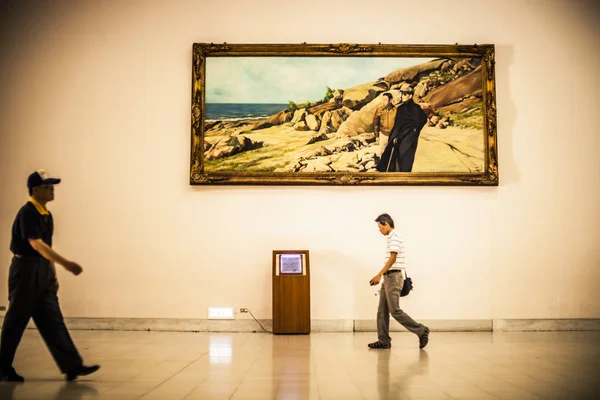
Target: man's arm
point(376, 122)
point(55, 276)
point(422, 119)
point(393, 138)
point(389, 263)
point(48, 253)
point(385, 268)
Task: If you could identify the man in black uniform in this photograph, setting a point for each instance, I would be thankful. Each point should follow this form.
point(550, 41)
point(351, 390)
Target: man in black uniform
point(399, 154)
point(32, 285)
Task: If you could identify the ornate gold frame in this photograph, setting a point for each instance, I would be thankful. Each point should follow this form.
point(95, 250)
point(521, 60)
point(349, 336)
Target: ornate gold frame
point(489, 177)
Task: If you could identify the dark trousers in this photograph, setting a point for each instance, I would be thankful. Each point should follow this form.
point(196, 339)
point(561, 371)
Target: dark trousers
point(32, 294)
point(406, 154)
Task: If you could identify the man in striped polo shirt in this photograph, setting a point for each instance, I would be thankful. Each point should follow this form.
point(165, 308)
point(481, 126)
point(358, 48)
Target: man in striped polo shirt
point(389, 294)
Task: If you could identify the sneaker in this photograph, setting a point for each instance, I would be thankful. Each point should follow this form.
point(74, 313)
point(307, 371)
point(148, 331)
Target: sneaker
point(11, 376)
point(82, 371)
point(379, 345)
point(424, 338)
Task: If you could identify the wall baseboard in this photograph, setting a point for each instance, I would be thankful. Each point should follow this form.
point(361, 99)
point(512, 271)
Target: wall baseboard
point(543, 325)
point(325, 325)
point(438, 325)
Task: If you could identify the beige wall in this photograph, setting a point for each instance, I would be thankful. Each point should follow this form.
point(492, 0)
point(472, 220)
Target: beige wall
point(98, 93)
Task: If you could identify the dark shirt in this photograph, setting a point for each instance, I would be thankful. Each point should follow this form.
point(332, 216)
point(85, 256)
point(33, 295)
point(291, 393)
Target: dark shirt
point(30, 224)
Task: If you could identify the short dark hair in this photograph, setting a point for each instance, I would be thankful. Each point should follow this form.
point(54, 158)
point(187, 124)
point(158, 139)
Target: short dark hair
point(388, 95)
point(385, 219)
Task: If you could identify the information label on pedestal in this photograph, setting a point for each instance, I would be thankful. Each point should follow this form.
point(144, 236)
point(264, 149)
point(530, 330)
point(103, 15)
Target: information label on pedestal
point(290, 264)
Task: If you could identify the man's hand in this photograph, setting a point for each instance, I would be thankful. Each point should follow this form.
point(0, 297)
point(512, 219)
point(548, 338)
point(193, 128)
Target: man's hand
point(73, 267)
point(376, 279)
point(52, 256)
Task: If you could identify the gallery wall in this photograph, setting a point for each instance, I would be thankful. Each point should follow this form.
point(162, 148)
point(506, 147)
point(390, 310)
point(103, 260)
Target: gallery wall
point(99, 94)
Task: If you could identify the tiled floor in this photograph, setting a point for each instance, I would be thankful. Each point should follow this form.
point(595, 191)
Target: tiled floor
point(171, 366)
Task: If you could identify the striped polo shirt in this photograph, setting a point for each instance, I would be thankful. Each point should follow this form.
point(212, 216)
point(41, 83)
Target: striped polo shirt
point(395, 244)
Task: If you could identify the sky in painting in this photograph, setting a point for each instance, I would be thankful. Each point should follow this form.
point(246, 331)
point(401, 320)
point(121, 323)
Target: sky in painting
point(280, 79)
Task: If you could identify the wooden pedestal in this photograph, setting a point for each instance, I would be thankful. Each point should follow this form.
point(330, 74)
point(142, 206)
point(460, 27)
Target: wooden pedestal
point(291, 292)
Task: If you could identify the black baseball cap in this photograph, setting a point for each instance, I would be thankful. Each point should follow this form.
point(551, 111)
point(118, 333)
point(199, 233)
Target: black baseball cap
point(40, 177)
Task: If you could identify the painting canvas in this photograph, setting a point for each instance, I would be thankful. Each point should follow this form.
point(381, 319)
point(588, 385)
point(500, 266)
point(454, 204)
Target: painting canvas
point(343, 115)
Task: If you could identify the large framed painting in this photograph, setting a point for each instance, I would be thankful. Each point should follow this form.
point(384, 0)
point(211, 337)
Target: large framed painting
point(349, 114)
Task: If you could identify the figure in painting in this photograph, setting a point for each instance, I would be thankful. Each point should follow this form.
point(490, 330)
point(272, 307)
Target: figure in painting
point(399, 153)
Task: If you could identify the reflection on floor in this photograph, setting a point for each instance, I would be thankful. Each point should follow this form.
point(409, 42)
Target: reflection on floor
point(171, 366)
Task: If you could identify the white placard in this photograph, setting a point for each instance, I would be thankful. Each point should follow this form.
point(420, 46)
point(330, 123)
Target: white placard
point(291, 263)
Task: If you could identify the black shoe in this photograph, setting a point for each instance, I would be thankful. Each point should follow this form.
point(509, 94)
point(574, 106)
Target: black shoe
point(11, 376)
point(424, 338)
point(379, 345)
point(82, 371)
